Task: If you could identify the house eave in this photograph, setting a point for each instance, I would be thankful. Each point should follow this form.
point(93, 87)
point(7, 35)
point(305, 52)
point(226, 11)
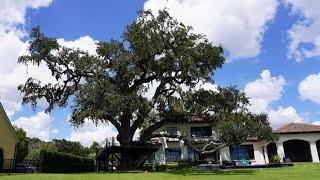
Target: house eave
point(3, 112)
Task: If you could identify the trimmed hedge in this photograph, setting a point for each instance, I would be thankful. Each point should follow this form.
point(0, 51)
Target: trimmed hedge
point(1, 159)
point(56, 162)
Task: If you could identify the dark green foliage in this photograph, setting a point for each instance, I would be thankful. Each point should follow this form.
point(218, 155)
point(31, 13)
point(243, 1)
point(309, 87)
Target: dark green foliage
point(35, 147)
point(56, 162)
point(22, 146)
point(154, 167)
point(72, 147)
point(181, 164)
point(94, 148)
point(63, 146)
point(238, 127)
point(185, 163)
point(1, 159)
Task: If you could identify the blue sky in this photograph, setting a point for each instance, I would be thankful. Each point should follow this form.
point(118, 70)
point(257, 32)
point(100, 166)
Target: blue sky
point(271, 47)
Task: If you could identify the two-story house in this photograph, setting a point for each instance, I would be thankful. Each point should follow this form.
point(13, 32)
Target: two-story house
point(297, 142)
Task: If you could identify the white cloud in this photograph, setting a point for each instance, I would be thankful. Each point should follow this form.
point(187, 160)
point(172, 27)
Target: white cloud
point(10, 48)
point(85, 43)
point(13, 74)
point(12, 19)
point(54, 131)
point(264, 91)
point(305, 31)
point(89, 132)
point(38, 126)
point(309, 88)
point(316, 123)
point(12, 13)
point(282, 116)
point(237, 25)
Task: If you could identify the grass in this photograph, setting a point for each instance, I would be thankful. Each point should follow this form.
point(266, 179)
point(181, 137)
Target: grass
point(303, 171)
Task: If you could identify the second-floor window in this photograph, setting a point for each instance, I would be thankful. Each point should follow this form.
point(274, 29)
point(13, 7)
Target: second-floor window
point(172, 130)
point(201, 131)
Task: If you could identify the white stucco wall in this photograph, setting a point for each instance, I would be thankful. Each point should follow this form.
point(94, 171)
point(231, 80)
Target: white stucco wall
point(309, 137)
point(259, 155)
point(224, 154)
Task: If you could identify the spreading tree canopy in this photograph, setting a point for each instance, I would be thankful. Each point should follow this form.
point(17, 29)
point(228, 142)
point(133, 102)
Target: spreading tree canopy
point(156, 55)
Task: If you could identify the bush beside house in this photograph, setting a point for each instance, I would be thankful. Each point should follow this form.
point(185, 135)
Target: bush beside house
point(275, 159)
point(56, 162)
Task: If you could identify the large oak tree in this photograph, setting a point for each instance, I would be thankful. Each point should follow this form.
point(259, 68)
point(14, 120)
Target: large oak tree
point(155, 52)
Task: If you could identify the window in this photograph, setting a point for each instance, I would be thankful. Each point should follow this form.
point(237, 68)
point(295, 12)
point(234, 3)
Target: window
point(172, 130)
point(201, 131)
point(173, 155)
point(191, 154)
point(240, 152)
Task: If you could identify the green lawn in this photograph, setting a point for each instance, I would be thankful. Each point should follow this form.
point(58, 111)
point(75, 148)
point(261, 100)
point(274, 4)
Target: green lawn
point(303, 171)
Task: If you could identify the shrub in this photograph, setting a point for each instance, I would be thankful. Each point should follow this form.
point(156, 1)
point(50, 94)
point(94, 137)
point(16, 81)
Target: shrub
point(161, 167)
point(275, 159)
point(172, 165)
point(56, 162)
point(1, 159)
point(154, 167)
point(148, 167)
point(185, 163)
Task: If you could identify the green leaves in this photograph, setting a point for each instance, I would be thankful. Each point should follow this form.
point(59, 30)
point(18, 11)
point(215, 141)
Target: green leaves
point(22, 146)
point(242, 126)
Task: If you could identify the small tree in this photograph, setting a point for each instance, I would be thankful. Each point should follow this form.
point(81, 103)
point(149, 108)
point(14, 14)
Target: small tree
point(22, 146)
point(94, 147)
point(1, 159)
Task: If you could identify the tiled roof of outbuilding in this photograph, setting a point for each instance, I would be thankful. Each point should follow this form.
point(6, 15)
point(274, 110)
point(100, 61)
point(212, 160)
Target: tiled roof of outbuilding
point(297, 128)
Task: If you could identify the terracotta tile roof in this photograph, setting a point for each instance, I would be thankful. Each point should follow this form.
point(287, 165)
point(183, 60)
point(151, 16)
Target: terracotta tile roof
point(297, 128)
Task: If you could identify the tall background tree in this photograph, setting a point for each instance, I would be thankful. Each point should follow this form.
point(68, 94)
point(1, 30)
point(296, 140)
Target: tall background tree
point(156, 52)
point(72, 147)
point(94, 148)
point(56, 145)
point(22, 146)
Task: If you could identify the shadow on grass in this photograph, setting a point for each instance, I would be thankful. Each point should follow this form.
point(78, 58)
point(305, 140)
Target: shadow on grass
point(195, 172)
point(13, 174)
